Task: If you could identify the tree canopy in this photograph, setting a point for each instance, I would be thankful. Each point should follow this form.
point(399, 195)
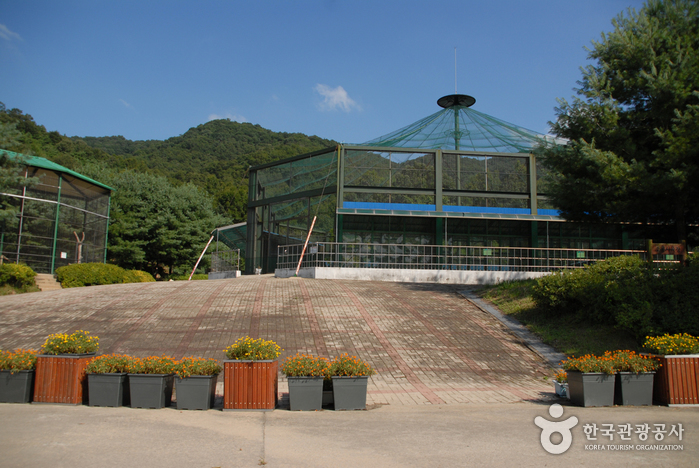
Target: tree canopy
point(633, 148)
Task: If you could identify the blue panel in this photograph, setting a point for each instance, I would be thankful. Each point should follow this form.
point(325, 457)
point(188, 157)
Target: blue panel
point(549, 212)
point(388, 206)
point(486, 209)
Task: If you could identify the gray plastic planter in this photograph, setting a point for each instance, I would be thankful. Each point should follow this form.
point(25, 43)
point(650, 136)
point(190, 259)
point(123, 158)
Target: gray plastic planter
point(17, 387)
point(107, 389)
point(196, 392)
point(634, 389)
point(591, 389)
point(151, 390)
point(305, 393)
point(349, 393)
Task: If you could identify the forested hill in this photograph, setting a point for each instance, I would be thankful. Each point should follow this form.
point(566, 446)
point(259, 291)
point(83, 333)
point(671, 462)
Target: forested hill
point(214, 156)
point(209, 154)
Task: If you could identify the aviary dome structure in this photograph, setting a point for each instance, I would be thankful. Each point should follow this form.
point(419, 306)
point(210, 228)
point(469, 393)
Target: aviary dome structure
point(455, 177)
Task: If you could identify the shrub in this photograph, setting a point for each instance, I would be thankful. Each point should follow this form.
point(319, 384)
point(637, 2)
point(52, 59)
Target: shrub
point(138, 276)
point(92, 274)
point(619, 291)
point(16, 275)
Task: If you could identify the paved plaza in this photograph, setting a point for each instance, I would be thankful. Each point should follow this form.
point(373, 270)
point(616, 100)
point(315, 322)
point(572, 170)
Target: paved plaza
point(428, 343)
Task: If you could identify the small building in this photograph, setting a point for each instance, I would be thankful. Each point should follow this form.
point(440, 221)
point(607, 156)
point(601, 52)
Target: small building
point(62, 219)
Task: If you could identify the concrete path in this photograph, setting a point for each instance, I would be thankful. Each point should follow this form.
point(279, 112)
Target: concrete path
point(428, 344)
point(387, 437)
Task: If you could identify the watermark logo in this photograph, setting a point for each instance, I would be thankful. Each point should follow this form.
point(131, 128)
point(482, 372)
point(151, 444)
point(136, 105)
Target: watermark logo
point(548, 428)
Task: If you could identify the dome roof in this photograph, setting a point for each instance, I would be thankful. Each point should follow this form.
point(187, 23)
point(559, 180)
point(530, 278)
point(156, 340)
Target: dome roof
point(458, 127)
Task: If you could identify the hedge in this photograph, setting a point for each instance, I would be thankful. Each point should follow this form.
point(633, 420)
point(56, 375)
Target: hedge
point(91, 274)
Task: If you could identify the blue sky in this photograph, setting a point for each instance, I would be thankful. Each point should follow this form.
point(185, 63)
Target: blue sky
point(344, 70)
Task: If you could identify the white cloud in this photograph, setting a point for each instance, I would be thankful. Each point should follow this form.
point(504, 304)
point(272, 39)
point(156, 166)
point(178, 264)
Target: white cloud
point(8, 35)
point(335, 98)
point(229, 116)
point(126, 104)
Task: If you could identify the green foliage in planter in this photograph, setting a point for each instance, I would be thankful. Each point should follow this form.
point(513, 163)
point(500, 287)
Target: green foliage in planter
point(630, 361)
point(109, 364)
point(249, 349)
point(16, 275)
point(590, 363)
point(18, 360)
point(681, 343)
point(78, 342)
point(196, 366)
point(350, 366)
point(303, 365)
point(152, 365)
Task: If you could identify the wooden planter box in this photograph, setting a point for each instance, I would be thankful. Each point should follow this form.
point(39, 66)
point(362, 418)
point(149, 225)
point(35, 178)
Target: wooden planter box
point(250, 385)
point(677, 380)
point(61, 378)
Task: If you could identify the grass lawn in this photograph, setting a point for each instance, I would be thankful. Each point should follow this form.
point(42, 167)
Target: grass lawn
point(565, 333)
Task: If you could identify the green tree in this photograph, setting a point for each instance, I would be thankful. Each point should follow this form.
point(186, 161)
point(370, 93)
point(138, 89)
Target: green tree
point(154, 225)
point(11, 174)
point(634, 132)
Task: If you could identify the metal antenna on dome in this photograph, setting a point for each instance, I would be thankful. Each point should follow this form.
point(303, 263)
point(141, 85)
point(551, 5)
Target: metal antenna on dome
point(455, 92)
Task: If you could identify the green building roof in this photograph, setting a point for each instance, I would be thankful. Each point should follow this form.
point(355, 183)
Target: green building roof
point(36, 161)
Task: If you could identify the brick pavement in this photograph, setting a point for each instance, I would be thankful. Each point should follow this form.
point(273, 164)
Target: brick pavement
point(429, 344)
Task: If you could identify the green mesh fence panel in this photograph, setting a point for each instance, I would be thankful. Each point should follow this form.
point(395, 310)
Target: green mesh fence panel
point(462, 128)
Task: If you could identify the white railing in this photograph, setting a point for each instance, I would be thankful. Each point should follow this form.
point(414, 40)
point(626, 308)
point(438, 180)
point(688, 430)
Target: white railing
point(440, 257)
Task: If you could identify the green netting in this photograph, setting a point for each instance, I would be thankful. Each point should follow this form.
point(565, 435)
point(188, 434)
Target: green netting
point(309, 173)
point(234, 237)
point(462, 128)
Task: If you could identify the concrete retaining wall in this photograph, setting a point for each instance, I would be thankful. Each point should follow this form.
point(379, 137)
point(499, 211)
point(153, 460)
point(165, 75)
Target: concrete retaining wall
point(411, 276)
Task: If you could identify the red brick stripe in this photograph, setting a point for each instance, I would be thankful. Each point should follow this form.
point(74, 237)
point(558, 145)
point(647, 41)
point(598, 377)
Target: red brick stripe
point(402, 365)
point(194, 327)
point(313, 321)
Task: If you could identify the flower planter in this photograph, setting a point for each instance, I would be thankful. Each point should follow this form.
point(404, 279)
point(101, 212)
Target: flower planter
point(591, 389)
point(634, 389)
point(61, 378)
point(349, 393)
point(677, 380)
point(108, 389)
point(305, 393)
point(561, 389)
point(151, 390)
point(250, 384)
point(196, 392)
point(17, 387)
